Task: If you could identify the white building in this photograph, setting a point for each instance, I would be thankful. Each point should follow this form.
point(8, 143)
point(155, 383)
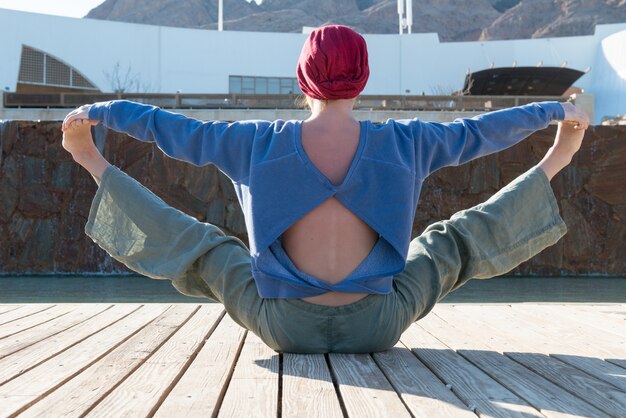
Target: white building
point(67, 53)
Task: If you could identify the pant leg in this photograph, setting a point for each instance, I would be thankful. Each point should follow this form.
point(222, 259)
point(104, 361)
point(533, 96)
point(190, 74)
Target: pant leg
point(487, 240)
point(150, 237)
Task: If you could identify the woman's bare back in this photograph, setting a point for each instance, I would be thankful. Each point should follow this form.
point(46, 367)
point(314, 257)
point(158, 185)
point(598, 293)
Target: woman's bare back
point(330, 241)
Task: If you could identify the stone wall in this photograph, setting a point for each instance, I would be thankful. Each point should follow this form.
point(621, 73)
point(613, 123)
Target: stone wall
point(591, 194)
point(45, 198)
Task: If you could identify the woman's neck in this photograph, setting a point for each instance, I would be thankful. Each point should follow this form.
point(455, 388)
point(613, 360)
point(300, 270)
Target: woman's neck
point(331, 109)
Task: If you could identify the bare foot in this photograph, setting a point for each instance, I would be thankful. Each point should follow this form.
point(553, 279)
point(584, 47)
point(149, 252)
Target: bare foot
point(77, 141)
point(567, 142)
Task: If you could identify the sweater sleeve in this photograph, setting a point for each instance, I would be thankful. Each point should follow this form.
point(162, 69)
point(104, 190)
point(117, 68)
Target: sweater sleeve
point(227, 145)
point(442, 144)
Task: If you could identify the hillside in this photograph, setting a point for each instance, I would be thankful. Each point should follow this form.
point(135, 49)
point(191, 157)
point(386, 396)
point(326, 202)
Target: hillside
point(484, 20)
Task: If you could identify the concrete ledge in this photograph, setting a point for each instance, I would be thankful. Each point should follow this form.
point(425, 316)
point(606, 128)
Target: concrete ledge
point(246, 114)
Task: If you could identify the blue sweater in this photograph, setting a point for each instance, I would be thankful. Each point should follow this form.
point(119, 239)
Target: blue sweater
point(277, 184)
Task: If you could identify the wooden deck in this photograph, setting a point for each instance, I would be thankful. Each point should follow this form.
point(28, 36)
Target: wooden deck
point(187, 360)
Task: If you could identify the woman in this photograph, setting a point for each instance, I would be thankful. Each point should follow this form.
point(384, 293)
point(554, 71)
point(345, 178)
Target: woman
point(329, 204)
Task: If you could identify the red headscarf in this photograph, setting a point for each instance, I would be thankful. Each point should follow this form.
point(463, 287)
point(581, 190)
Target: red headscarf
point(333, 64)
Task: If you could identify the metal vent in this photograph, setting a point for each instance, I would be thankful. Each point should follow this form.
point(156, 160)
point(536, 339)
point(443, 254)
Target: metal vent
point(40, 68)
point(57, 73)
point(31, 66)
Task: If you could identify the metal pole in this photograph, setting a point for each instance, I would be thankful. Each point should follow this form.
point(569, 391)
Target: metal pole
point(401, 15)
point(409, 15)
point(220, 15)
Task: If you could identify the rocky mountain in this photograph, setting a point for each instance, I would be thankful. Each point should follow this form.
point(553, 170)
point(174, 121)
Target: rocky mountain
point(453, 20)
point(185, 14)
point(552, 18)
point(441, 16)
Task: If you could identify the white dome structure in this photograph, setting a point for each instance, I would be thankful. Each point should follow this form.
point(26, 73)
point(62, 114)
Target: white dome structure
point(609, 84)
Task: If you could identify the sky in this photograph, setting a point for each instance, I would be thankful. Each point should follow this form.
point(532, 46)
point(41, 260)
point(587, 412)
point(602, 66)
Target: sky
point(70, 8)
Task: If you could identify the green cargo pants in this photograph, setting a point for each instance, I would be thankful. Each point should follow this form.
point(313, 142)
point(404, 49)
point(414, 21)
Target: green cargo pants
point(150, 237)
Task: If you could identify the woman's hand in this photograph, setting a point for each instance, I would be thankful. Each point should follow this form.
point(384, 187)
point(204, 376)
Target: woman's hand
point(78, 114)
point(576, 116)
point(567, 142)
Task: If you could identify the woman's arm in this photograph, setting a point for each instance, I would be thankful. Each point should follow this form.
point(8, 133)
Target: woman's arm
point(227, 145)
point(567, 142)
point(441, 144)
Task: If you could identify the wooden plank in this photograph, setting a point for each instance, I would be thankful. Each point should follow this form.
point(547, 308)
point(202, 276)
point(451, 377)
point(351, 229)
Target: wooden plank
point(308, 387)
point(583, 331)
point(364, 388)
point(8, 308)
point(610, 318)
point(598, 368)
point(618, 362)
point(19, 393)
point(78, 395)
point(579, 347)
point(23, 311)
point(615, 310)
point(253, 388)
point(602, 395)
point(481, 393)
point(535, 333)
point(14, 364)
point(422, 392)
point(548, 398)
point(531, 333)
point(24, 339)
point(142, 392)
point(592, 325)
point(201, 389)
point(39, 318)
